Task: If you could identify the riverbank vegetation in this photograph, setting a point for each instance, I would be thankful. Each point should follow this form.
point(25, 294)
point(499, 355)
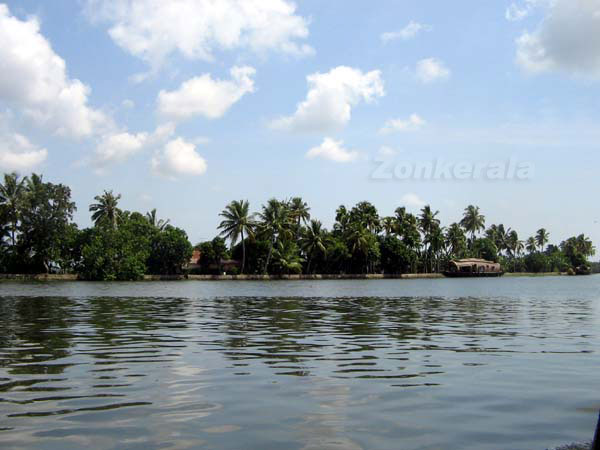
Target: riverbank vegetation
point(38, 235)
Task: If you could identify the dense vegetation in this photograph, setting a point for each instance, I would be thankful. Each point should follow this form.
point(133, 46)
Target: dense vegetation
point(282, 239)
point(37, 234)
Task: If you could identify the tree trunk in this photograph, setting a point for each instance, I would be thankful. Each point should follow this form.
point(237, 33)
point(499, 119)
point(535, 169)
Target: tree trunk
point(308, 265)
point(12, 232)
point(269, 256)
point(243, 252)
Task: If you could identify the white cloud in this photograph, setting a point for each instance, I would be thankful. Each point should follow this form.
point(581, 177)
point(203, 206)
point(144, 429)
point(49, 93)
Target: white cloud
point(514, 12)
point(432, 69)
point(331, 96)
point(412, 200)
point(332, 150)
point(517, 11)
point(178, 158)
point(18, 154)
point(567, 40)
point(413, 123)
point(34, 80)
point(127, 103)
point(410, 31)
point(205, 96)
point(117, 147)
point(153, 29)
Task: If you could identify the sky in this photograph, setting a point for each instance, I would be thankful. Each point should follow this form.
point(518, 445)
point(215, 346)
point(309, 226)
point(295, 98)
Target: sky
point(186, 105)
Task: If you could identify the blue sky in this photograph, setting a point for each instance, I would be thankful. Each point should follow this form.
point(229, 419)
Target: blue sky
point(186, 105)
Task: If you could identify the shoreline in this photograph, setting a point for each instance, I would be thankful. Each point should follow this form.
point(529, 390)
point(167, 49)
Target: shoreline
point(303, 277)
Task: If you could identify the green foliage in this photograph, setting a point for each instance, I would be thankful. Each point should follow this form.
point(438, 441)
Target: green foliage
point(105, 211)
point(472, 222)
point(211, 254)
point(132, 248)
point(45, 232)
point(118, 254)
point(485, 248)
point(577, 250)
point(37, 234)
point(169, 251)
point(257, 251)
point(396, 257)
point(286, 259)
point(237, 223)
point(338, 256)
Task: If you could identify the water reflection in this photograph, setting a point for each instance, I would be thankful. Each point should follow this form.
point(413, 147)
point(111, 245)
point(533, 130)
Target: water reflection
point(207, 370)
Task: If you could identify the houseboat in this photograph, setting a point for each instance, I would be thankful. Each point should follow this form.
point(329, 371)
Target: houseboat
point(473, 267)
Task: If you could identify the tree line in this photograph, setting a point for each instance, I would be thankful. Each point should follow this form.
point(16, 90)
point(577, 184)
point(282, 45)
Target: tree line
point(37, 234)
point(282, 238)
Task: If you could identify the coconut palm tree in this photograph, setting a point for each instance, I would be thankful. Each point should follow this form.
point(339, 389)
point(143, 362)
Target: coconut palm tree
point(472, 222)
point(585, 246)
point(155, 221)
point(313, 241)
point(237, 223)
point(541, 238)
point(105, 211)
point(411, 237)
point(389, 225)
point(456, 240)
point(515, 246)
point(342, 219)
point(428, 223)
point(286, 257)
point(499, 235)
point(366, 214)
point(531, 245)
point(358, 241)
point(436, 243)
point(275, 222)
point(299, 212)
point(12, 192)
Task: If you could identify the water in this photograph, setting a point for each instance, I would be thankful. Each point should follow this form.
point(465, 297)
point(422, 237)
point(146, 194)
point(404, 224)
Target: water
point(507, 363)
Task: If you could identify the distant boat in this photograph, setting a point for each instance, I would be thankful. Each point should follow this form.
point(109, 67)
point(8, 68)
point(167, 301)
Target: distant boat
point(473, 267)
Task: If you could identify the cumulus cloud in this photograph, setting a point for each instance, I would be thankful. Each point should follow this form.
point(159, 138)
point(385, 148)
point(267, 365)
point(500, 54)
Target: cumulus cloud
point(178, 158)
point(333, 151)
point(34, 80)
point(117, 147)
point(431, 69)
point(567, 40)
point(519, 11)
point(412, 200)
point(413, 123)
point(18, 154)
point(207, 97)
point(330, 99)
point(410, 31)
point(127, 103)
point(154, 29)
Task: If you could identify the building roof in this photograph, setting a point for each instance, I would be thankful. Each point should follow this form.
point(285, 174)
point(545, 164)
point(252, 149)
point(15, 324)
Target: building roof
point(474, 260)
point(471, 261)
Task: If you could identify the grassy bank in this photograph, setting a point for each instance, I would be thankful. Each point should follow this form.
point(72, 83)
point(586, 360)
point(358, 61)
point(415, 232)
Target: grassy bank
point(534, 274)
point(74, 277)
point(408, 276)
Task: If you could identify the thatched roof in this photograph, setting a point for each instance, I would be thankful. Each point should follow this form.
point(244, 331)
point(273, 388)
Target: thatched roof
point(474, 261)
